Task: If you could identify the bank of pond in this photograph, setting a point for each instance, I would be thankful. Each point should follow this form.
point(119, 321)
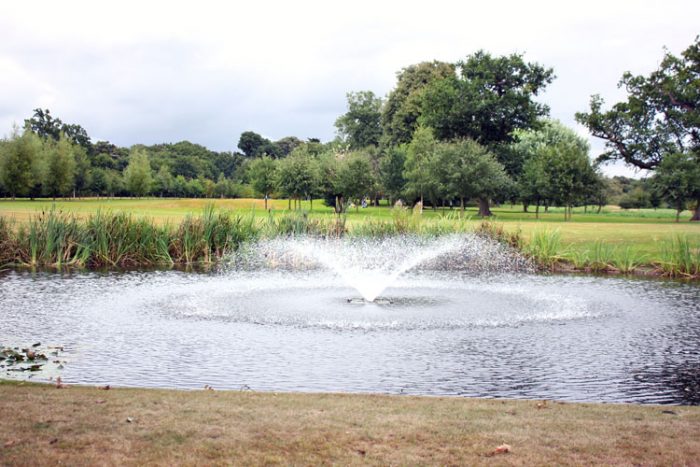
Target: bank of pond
point(105, 239)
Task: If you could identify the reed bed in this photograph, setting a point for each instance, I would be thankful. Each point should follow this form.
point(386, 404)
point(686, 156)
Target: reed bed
point(106, 239)
point(545, 248)
point(679, 256)
point(55, 239)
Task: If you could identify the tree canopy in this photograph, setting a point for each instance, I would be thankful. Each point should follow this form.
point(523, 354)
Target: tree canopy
point(361, 126)
point(403, 107)
point(487, 99)
point(659, 117)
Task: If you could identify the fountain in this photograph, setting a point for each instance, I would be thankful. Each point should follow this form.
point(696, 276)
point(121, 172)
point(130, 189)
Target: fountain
point(370, 265)
point(447, 315)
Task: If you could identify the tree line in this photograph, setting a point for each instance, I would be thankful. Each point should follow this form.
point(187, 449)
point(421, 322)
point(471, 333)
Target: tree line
point(447, 134)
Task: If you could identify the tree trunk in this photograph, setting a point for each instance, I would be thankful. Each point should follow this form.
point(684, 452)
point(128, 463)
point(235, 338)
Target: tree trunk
point(696, 214)
point(525, 207)
point(311, 208)
point(484, 209)
point(265, 202)
point(678, 215)
point(289, 206)
point(600, 207)
point(461, 203)
point(537, 210)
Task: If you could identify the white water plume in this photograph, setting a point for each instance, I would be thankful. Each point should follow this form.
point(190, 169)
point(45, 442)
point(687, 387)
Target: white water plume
point(370, 265)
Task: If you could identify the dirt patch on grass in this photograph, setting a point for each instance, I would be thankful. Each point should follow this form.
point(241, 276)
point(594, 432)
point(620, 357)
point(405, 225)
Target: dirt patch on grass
point(81, 425)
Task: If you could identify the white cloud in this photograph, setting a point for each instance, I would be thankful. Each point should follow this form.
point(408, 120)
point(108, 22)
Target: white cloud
point(154, 71)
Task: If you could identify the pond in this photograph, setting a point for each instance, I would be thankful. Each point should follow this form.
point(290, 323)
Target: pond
point(433, 332)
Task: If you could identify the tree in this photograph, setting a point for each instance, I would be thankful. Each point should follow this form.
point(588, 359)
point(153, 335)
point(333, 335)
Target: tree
point(403, 107)
point(18, 163)
point(250, 143)
point(328, 166)
point(355, 179)
point(263, 176)
point(163, 182)
point(677, 180)
point(288, 144)
point(83, 173)
point(488, 99)
point(99, 182)
point(534, 185)
point(469, 170)
point(297, 177)
point(361, 126)
point(209, 187)
point(420, 180)
point(569, 174)
point(137, 175)
point(45, 126)
point(59, 179)
point(180, 186)
point(660, 116)
point(194, 188)
point(391, 171)
point(223, 187)
point(526, 146)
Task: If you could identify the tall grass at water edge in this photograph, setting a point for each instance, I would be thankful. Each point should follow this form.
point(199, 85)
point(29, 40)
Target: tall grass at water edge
point(107, 239)
point(680, 257)
point(544, 247)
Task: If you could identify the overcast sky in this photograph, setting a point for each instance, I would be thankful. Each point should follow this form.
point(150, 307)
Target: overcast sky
point(164, 71)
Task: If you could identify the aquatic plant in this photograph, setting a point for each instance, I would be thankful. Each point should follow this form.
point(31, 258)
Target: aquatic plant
point(544, 247)
point(601, 256)
point(627, 260)
point(680, 257)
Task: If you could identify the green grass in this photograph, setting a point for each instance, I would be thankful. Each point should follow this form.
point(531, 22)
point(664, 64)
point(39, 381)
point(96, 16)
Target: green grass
point(613, 240)
point(164, 209)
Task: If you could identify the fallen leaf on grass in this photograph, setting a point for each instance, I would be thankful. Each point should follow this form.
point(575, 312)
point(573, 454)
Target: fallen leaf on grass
point(11, 443)
point(542, 405)
point(100, 401)
point(502, 449)
point(53, 441)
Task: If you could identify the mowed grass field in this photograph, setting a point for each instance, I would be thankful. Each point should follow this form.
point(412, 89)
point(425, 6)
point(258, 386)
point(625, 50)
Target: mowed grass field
point(644, 230)
point(42, 425)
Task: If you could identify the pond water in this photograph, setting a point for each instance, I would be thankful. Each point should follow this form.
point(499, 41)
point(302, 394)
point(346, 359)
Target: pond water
point(577, 338)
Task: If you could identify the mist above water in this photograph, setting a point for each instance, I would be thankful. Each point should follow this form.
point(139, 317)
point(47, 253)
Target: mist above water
point(370, 265)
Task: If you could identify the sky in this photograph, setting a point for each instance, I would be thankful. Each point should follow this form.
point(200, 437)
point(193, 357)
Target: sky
point(164, 71)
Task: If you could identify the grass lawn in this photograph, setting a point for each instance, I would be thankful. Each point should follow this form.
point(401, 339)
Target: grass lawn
point(645, 231)
point(175, 209)
point(42, 425)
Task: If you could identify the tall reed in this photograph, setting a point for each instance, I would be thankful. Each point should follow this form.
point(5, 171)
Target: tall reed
point(544, 247)
point(627, 260)
point(680, 257)
point(601, 256)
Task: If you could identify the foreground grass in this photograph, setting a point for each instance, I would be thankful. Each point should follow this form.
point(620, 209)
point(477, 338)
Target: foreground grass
point(41, 425)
